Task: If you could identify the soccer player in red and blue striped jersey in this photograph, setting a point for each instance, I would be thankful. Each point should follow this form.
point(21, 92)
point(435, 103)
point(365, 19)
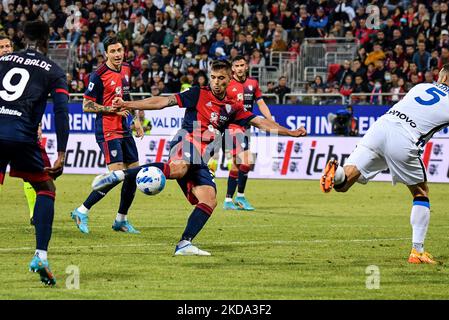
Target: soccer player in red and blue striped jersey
point(112, 132)
point(209, 112)
point(244, 89)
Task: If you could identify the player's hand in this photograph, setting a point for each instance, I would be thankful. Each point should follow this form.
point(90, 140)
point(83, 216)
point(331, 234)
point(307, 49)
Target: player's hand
point(300, 132)
point(57, 168)
point(123, 113)
point(118, 102)
point(139, 130)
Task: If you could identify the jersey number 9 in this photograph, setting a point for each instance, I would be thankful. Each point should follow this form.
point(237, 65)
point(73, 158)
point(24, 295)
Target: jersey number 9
point(14, 91)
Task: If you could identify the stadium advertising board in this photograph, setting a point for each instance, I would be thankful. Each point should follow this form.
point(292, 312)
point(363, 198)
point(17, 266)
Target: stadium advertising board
point(276, 157)
point(169, 120)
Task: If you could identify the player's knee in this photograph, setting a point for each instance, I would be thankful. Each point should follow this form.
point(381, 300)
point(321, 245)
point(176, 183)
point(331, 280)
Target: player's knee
point(178, 169)
point(244, 167)
point(210, 200)
point(45, 186)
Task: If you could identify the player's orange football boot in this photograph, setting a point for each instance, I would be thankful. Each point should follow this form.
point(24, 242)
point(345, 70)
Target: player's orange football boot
point(417, 258)
point(327, 179)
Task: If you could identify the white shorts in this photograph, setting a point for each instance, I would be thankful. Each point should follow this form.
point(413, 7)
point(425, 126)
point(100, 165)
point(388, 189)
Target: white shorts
point(387, 145)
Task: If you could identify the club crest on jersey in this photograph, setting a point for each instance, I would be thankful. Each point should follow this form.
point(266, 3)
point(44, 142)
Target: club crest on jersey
point(250, 87)
point(228, 108)
point(90, 87)
point(118, 91)
point(213, 117)
point(114, 153)
point(126, 78)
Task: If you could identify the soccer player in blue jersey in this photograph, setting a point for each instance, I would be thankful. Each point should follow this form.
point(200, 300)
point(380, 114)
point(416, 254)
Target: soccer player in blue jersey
point(27, 78)
point(112, 132)
point(209, 112)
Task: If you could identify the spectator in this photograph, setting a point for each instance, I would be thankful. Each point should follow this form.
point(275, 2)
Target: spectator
point(346, 88)
point(318, 23)
point(375, 55)
point(345, 70)
point(218, 43)
point(281, 89)
point(257, 59)
point(278, 43)
point(210, 21)
point(421, 58)
point(318, 83)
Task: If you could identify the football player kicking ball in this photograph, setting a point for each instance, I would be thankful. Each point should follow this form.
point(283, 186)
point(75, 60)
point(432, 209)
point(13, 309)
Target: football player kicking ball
point(209, 111)
point(395, 141)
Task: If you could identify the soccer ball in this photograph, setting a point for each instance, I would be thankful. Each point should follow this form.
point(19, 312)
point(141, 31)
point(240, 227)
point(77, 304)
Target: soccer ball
point(150, 180)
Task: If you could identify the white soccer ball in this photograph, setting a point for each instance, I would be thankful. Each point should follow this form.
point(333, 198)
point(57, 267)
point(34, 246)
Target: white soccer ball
point(150, 180)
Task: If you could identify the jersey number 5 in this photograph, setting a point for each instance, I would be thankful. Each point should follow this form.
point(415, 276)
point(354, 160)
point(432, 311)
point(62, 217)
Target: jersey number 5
point(15, 89)
point(435, 93)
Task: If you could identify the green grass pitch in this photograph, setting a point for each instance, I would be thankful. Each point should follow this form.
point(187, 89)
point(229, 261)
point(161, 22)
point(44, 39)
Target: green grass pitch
point(298, 244)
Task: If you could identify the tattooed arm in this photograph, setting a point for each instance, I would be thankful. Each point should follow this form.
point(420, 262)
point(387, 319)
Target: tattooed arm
point(153, 103)
point(90, 106)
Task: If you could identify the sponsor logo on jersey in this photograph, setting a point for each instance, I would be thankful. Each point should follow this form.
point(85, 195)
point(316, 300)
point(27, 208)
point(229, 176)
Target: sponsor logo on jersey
point(234, 89)
point(10, 112)
point(403, 117)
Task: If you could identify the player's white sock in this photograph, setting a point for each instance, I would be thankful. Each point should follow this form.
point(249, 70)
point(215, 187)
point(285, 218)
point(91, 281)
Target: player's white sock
point(339, 175)
point(41, 254)
point(228, 199)
point(240, 194)
point(419, 219)
point(120, 174)
point(83, 209)
point(121, 217)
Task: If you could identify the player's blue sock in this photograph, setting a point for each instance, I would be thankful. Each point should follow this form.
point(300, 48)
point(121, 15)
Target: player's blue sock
point(232, 183)
point(96, 196)
point(44, 211)
point(127, 196)
point(243, 177)
point(132, 173)
point(196, 221)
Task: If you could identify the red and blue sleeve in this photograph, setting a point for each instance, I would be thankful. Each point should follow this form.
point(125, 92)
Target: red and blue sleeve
point(243, 117)
point(60, 96)
point(188, 99)
point(94, 88)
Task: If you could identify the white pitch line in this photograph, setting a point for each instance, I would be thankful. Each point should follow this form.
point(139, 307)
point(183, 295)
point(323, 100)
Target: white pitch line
point(244, 243)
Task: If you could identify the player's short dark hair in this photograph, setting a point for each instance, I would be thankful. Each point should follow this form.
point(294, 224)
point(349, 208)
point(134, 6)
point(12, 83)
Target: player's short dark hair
point(36, 30)
point(220, 64)
point(2, 37)
point(238, 58)
point(109, 41)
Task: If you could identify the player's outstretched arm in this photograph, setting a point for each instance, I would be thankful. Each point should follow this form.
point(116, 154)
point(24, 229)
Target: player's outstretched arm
point(91, 106)
point(274, 127)
point(152, 103)
point(264, 109)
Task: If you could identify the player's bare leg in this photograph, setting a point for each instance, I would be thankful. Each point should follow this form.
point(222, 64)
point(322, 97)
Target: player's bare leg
point(43, 222)
point(419, 219)
point(207, 202)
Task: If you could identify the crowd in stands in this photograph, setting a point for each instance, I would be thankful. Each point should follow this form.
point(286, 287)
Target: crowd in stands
point(171, 43)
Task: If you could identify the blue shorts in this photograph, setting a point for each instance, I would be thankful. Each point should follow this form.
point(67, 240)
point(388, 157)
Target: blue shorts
point(198, 174)
point(120, 150)
point(26, 161)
